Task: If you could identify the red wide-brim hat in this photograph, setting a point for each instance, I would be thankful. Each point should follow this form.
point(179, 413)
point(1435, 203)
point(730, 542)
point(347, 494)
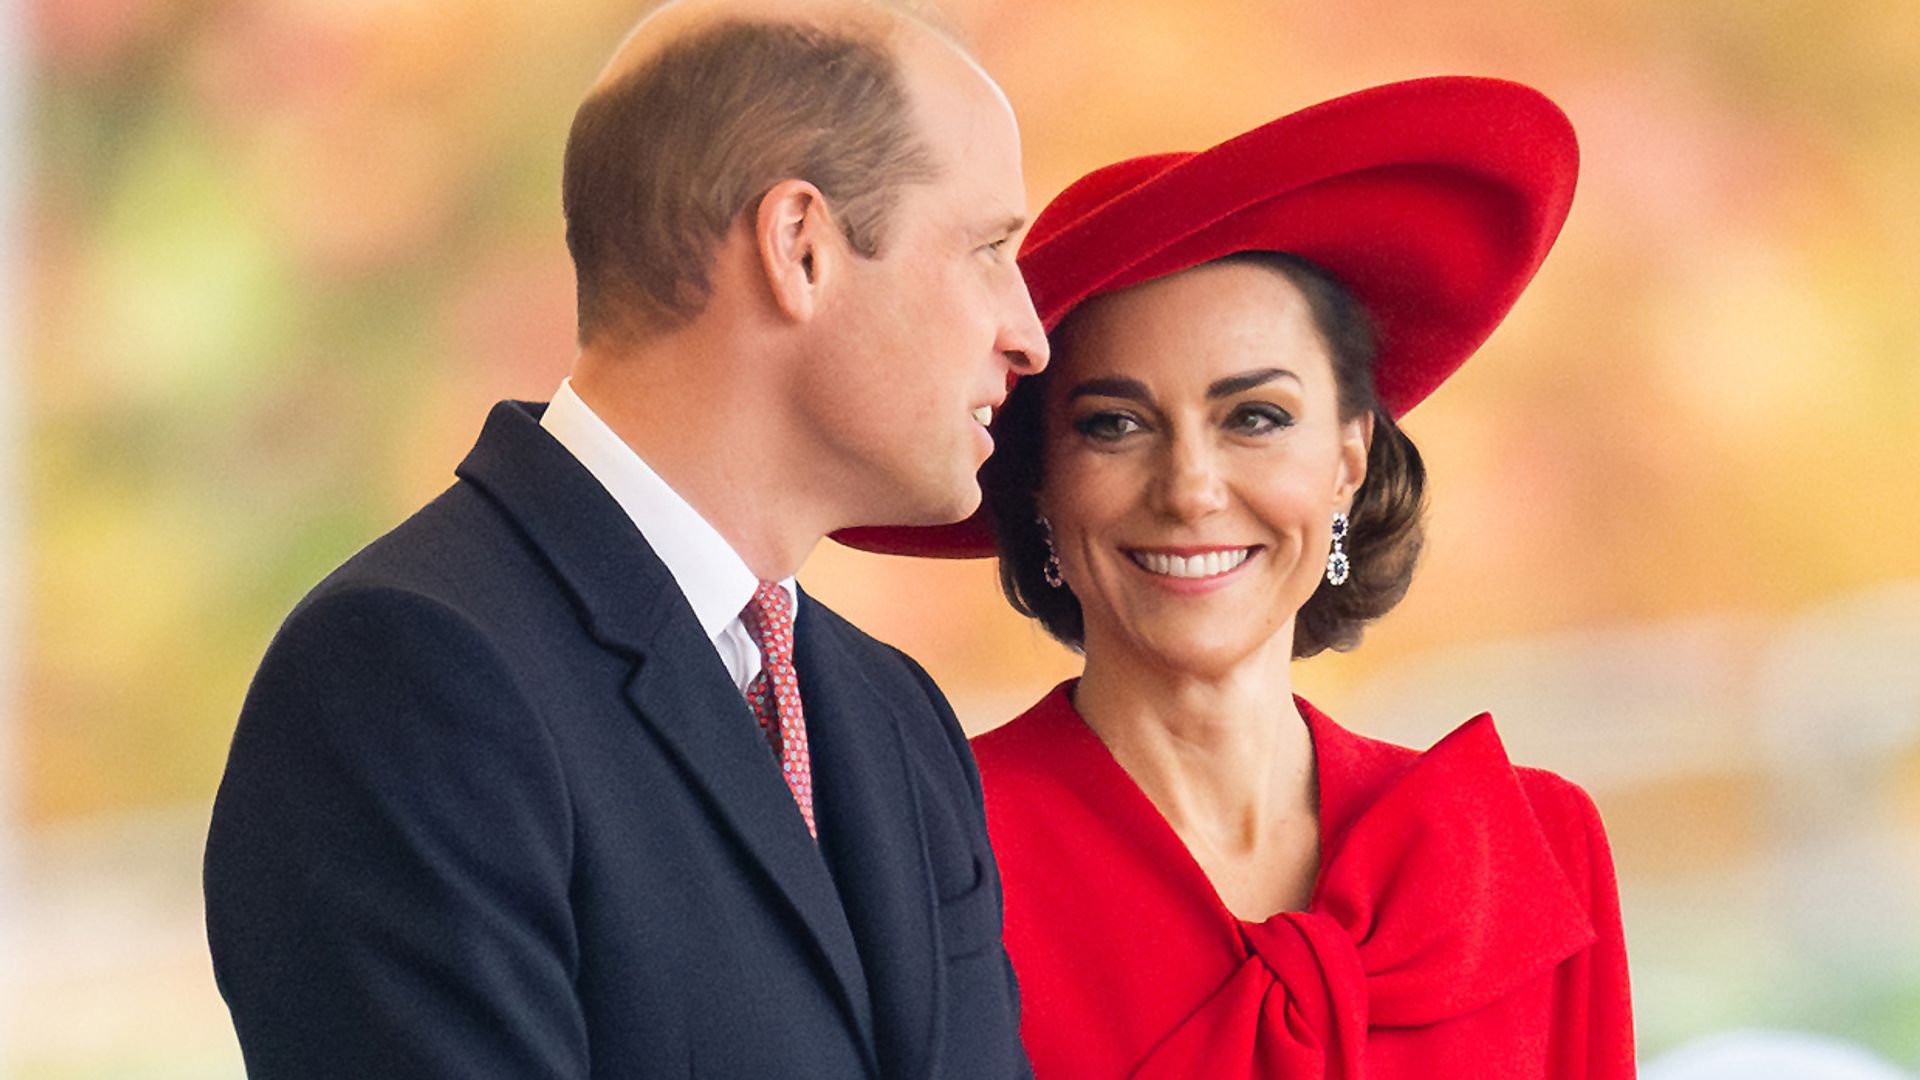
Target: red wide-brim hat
point(1432, 201)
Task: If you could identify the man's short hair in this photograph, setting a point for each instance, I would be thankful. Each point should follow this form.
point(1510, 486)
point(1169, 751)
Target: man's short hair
point(662, 161)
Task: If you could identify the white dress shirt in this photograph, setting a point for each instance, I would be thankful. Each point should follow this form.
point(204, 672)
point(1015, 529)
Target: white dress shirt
point(710, 573)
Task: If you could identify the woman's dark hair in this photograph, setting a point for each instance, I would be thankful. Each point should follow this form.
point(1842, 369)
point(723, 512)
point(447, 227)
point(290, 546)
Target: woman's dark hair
point(1385, 527)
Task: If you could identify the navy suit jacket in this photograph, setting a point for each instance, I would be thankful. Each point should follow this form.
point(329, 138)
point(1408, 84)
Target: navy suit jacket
point(494, 808)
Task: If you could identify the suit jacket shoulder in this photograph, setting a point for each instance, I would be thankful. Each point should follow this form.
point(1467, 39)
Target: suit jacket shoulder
point(494, 808)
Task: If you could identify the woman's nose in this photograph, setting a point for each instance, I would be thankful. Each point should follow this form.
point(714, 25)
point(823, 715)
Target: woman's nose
point(1191, 486)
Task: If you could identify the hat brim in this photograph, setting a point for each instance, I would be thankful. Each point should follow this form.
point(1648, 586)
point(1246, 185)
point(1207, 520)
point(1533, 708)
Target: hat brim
point(1433, 201)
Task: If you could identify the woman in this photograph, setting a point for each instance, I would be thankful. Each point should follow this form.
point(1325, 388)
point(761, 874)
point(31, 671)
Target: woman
point(1207, 878)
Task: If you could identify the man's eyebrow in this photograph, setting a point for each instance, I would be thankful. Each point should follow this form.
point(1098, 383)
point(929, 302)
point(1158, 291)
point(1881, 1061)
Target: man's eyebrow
point(1008, 225)
point(1131, 389)
point(1241, 383)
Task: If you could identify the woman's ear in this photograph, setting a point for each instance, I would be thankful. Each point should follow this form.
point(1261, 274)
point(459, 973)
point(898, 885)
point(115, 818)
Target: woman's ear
point(793, 233)
point(1356, 438)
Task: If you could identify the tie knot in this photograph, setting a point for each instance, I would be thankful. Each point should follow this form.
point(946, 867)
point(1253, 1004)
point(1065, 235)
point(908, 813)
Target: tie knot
point(769, 618)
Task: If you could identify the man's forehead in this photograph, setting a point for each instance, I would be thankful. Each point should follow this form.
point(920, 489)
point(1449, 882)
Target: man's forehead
point(970, 128)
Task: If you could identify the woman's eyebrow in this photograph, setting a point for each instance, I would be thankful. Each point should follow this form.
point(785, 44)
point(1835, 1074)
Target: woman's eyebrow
point(1131, 389)
point(1237, 384)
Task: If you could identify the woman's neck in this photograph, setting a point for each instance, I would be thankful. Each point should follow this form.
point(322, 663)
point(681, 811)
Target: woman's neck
point(1224, 755)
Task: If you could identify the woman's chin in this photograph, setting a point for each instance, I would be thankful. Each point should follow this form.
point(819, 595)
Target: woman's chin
point(1209, 650)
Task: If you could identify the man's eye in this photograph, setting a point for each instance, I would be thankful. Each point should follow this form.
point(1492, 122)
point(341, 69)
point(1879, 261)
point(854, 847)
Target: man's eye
point(1106, 426)
point(1259, 419)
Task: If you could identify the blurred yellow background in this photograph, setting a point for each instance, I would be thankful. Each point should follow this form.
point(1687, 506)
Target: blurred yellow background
point(278, 258)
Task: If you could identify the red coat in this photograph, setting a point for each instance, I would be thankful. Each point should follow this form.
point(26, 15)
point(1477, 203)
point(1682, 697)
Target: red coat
point(1464, 921)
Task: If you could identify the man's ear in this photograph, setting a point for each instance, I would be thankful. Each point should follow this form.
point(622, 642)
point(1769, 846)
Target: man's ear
point(794, 233)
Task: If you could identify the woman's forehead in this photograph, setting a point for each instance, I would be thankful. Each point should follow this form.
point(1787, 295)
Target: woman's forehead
point(1190, 329)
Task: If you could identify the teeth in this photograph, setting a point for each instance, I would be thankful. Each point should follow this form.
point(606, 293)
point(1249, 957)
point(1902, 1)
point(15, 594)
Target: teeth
point(1211, 564)
point(983, 415)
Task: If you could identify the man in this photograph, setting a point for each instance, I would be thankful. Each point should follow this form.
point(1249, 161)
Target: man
point(551, 781)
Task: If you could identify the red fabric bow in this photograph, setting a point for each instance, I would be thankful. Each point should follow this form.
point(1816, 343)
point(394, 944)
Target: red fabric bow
point(1442, 897)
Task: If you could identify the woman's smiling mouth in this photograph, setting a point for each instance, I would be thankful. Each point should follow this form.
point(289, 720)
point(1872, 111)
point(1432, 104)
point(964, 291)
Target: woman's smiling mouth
point(1199, 564)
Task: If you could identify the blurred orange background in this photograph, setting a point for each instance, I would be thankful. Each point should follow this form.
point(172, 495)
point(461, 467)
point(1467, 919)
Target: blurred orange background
point(278, 259)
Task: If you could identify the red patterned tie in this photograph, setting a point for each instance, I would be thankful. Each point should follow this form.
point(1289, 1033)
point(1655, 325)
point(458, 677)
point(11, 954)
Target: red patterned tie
point(775, 693)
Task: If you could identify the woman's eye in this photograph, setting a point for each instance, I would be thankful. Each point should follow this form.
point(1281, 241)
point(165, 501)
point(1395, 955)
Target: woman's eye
point(1259, 419)
point(1106, 426)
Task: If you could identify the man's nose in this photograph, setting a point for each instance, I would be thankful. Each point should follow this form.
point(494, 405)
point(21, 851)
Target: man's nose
point(1023, 341)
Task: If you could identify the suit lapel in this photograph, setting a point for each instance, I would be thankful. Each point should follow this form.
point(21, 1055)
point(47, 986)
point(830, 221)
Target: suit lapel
point(705, 723)
point(872, 832)
point(679, 688)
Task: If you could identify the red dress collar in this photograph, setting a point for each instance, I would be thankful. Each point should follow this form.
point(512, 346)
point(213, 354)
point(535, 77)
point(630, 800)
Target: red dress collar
point(1437, 894)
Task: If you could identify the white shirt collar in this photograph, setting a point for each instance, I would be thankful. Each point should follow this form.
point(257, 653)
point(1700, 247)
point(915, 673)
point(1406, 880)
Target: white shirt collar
point(710, 573)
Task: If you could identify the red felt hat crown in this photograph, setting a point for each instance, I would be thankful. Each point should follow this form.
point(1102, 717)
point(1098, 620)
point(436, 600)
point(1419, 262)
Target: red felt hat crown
point(1432, 201)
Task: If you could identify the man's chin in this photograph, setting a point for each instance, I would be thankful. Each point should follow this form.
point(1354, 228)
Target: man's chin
point(948, 508)
point(958, 507)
